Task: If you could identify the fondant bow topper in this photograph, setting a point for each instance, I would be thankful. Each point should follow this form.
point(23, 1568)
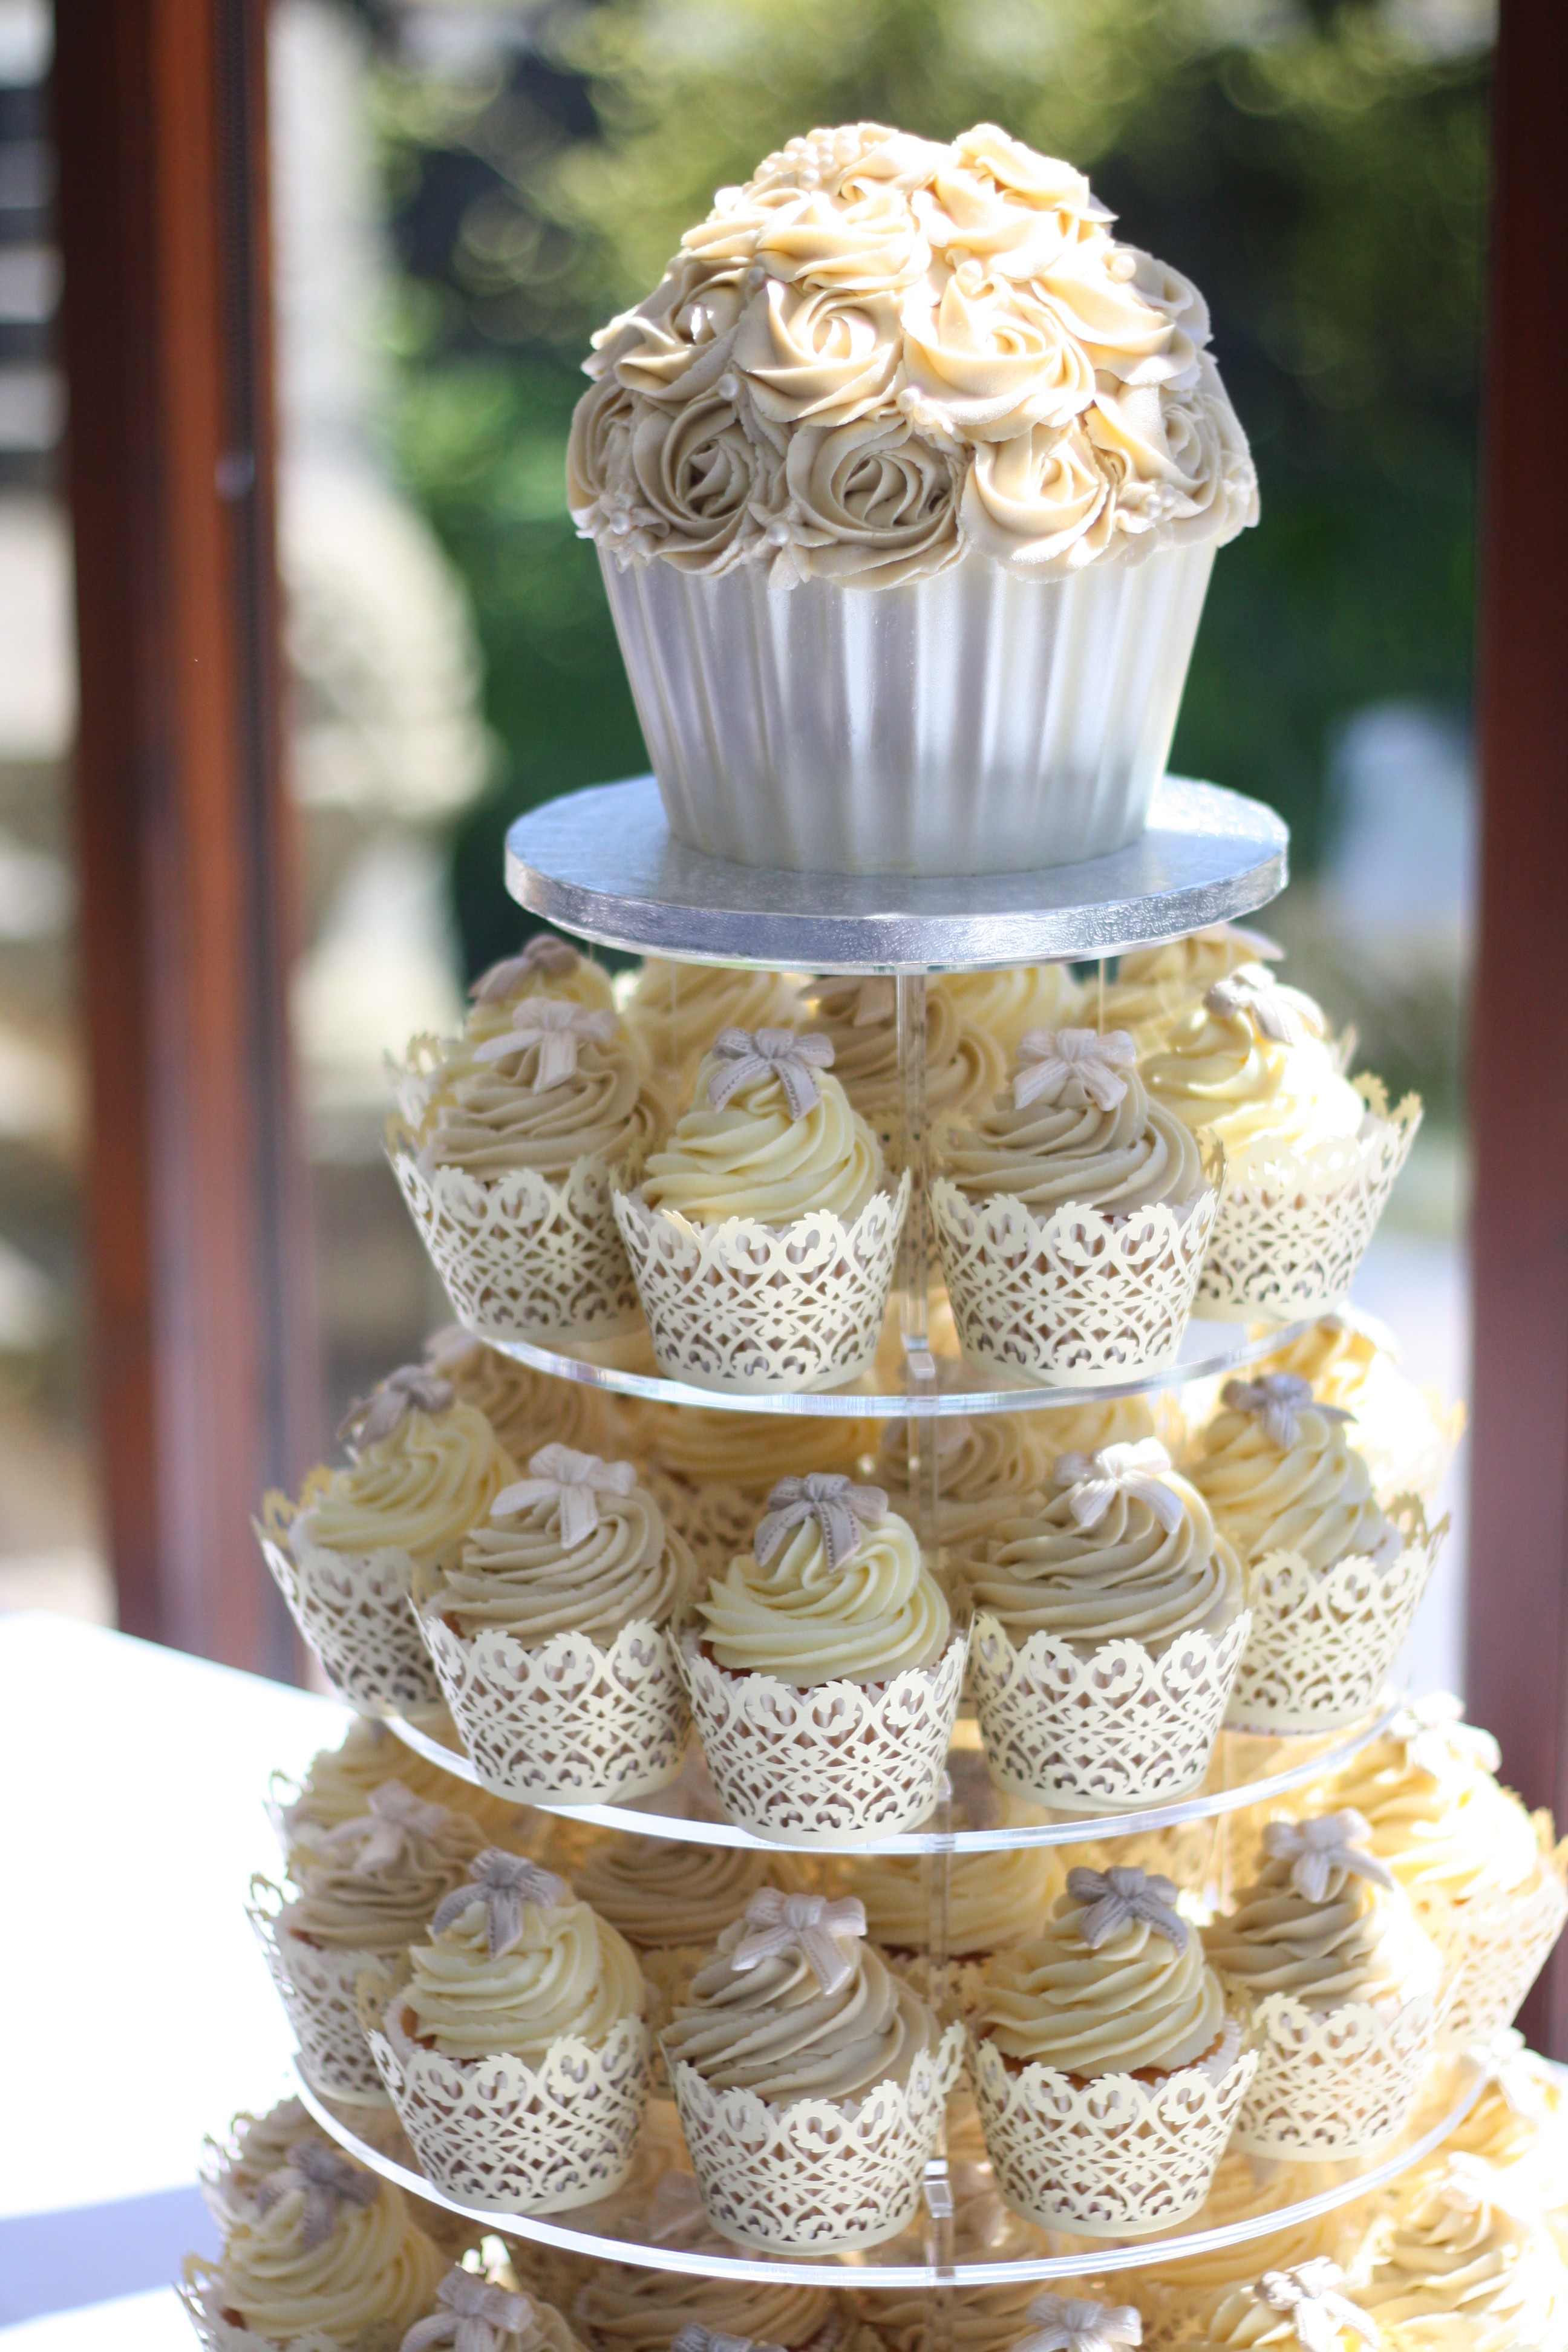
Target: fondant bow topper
point(876, 1000)
point(574, 1481)
point(1435, 1736)
point(1276, 1011)
point(692, 2337)
point(546, 957)
point(329, 2182)
point(378, 1839)
point(777, 1922)
point(475, 2317)
point(1047, 1058)
point(412, 1388)
point(558, 1029)
point(790, 1056)
point(839, 1508)
point(1060, 2322)
point(1278, 1400)
point(1322, 1844)
point(1312, 2296)
point(504, 1883)
point(1094, 1480)
point(1113, 1898)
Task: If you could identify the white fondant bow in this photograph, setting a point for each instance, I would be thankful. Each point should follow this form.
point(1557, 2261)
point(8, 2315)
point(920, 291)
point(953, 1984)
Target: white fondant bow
point(504, 1883)
point(1094, 1481)
point(575, 1480)
point(1316, 1848)
point(808, 1924)
point(1112, 1897)
point(475, 2317)
point(877, 1001)
point(382, 1835)
point(411, 1387)
point(1047, 1058)
point(1435, 1734)
point(330, 2182)
point(1064, 2324)
point(557, 1029)
point(544, 953)
point(692, 2337)
point(1313, 2296)
point(1278, 1400)
point(839, 1508)
point(1253, 990)
point(792, 1056)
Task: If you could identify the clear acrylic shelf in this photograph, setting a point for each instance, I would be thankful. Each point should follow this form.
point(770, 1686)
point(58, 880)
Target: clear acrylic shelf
point(602, 863)
point(965, 2238)
point(1248, 1769)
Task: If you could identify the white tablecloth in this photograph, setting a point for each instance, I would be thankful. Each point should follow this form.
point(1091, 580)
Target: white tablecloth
point(138, 2012)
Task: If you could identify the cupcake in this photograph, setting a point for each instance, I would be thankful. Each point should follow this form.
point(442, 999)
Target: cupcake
point(671, 1903)
point(340, 1782)
point(504, 1159)
point(1107, 2072)
point(623, 2307)
point(1336, 1986)
point(517, 2055)
point(1405, 1435)
point(422, 1468)
point(1179, 2300)
point(551, 1634)
point(824, 1670)
point(993, 1901)
point(762, 1235)
point(326, 2254)
point(1110, 1617)
point(548, 966)
point(989, 1465)
point(674, 1011)
point(963, 1066)
point(232, 2170)
point(1334, 1583)
point(1304, 2309)
point(357, 1908)
point(1310, 1159)
point(1154, 986)
point(1481, 1873)
point(1459, 2270)
point(712, 1471)
point(893, 396)
point(475, 2313)
point(1071, 1217)
point(1005, 1002)
point(794, 2021)
point(528, 1409)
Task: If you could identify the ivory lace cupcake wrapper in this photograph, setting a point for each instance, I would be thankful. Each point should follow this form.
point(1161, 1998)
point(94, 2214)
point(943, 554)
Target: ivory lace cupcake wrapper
point(564, 1721)
point(1124, 1726)
point(507, 2137)
point(1333, 2083)
point(1074, 1296)
point(1495, 1945)
point(755, 1308)
point(522, 1257)
point(1323, 1639)
point(827, 1763)
point(319, 1988)
point(354, 1610)
point(816, 2176)
point(1293, 1227)
point(1111, 2156)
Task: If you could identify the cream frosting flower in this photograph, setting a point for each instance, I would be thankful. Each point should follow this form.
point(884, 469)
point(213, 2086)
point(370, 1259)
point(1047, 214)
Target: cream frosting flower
point(986, 358)
point(814, 353)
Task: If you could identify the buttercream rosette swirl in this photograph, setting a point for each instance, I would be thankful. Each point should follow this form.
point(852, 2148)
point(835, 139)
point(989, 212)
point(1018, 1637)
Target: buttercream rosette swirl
point(528, 1409)
point(1457, 2268)
point(623, 2307)
point(546, 966)
point(964, 1063)
point(1154, 986)
point(1405, 1435)
point(673, 1011)
point(339, 1783)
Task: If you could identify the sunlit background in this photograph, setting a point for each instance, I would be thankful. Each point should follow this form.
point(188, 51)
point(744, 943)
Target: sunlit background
point(462, 194)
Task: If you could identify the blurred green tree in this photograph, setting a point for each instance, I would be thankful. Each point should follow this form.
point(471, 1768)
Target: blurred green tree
point(1318, 166)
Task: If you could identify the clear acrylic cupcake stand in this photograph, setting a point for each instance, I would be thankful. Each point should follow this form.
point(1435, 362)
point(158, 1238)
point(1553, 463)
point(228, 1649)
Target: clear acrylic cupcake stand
point(600, 863)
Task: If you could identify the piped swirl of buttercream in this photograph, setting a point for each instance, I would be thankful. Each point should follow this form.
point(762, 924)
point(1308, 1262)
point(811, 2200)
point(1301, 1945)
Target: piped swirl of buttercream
point(1355, 1941)
point(661, 1896)
point(567, 1972)
point(876, 1612)
point(1066, 1146)
point(965, 1065)
point(526, 1409)
point(1015, 997)
point(1312, 1495)
point(994, 1900)
point(1153, 986)
point(519, 1574)
point(491, 1116)
point(625, 2308)
point(1437, 1816)
point(755, 1159)
point(676, 1011)
point(370, 2277)
point(418, 1490)
point(547, 966)
point(357, 1899)
point(1221, 1069)
point(1459, 2273)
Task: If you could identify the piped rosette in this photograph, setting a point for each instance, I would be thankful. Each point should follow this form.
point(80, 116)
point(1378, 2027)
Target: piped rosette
point(516, 2055)
point(1334, 1582)
point(963, 1064)
point(824, 1670)
point(1405, 1435)
point(1110, 1619)
point(810, 2080)
point(423, 1467)
point(674, 1011)
point(1107, 2070)
point(552, 1635)
point(1071, 1217)
point(763, 1235)
point(503, 1153)
point(1309, 1158)
point(1337, 1986)
point(1463, 2261)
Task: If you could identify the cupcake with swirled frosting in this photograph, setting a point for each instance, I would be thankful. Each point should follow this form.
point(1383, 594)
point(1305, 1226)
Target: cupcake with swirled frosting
point(964, 1064)
point(340, 1782)
point(1110, 1621)
point(1071, 1216)
point(1307, 2306)
point(1011, 999)
point(770, 1168)
point(1459, 2272)
point(1180, 2299)
point(1113, 1997)
point(1154, 986)
point(1405, 1435)
point(673, 1011)
point(528, 1409)
point(713, 1472)
point(551, 1634)
point(793, 2006)
point(327, 2254)
point(975, 2318)
point(547, 966)
point(990, 1466)
point(516, 2055)
point(423, 1467)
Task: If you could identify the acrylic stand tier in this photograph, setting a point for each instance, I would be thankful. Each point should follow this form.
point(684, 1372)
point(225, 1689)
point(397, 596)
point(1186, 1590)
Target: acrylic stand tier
point(600, 863)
